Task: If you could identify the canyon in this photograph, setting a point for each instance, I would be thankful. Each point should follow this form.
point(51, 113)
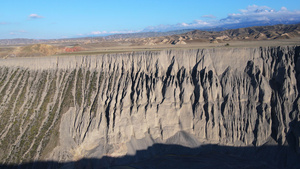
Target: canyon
point(125, 109)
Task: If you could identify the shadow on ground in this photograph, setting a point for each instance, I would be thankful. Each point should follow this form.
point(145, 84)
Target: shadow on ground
point(161, 156)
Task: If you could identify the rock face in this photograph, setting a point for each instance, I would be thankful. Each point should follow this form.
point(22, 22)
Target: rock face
point(68, 108)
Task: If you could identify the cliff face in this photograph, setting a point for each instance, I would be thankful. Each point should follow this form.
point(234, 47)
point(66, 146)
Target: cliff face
point(69, 108)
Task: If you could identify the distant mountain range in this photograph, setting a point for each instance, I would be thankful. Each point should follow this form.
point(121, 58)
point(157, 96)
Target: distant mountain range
point(147, 34)
point(255, 23)
point(231, 22)
point(173, 30)
point(32, 47)
point(241, 33)
point(21, 41)
point(250, 33)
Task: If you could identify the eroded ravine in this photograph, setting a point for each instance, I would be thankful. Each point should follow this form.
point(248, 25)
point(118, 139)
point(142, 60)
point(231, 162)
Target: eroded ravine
point(73, 107)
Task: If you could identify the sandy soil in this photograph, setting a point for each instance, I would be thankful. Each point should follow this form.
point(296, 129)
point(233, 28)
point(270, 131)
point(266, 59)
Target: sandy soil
point(98, 49)
point(114, 47)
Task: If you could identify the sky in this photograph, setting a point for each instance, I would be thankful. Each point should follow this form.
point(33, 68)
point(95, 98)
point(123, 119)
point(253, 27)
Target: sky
point(48, 19)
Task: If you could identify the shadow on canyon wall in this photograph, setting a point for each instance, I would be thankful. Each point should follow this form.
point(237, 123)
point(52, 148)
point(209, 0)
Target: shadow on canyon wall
point(207, 156)
point(162, 156)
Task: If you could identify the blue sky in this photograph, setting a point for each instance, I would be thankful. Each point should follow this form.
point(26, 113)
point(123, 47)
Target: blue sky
point(75, 18)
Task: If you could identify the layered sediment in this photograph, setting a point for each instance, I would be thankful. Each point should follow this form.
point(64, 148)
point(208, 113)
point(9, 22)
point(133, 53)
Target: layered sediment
point(67, 108)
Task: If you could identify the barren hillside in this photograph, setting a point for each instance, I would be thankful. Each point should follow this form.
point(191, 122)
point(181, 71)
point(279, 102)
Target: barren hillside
point(135, 109)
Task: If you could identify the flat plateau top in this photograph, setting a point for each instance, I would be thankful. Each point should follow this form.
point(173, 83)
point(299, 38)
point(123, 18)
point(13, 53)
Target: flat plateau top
point(190, 45)
point(98, 48)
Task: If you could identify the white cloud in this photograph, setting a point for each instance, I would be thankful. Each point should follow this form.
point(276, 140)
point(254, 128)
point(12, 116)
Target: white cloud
point(255, 9)
point(98, 32)
point(35, 16)
point(3, 23)
point(252, 13)
point(110, 32)
point(121, 32)
point(195, 23)
point(18, 32)
point(261, 13)
point(283, 8)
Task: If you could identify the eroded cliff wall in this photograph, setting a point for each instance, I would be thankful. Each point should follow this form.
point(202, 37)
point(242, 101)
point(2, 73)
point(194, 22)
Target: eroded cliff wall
point(71, 107)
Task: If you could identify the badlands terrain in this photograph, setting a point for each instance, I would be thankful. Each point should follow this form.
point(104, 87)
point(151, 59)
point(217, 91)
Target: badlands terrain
point(200, 99)
point(185, 39)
